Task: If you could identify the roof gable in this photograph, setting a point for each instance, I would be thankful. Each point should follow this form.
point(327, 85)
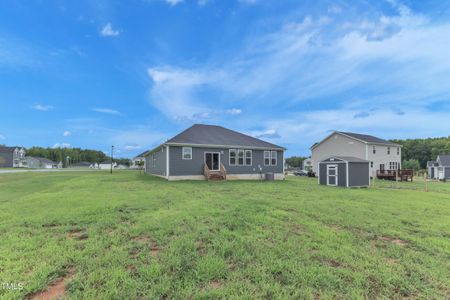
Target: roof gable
point(444, 160)
point(200, 134)
point(363, 138)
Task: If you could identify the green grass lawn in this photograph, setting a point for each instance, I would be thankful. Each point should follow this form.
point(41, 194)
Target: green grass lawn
point(418, 184)
point(132, 236)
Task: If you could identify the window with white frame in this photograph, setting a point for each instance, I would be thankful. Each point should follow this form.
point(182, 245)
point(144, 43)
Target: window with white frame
point(374, 150)
point(398, 150)
point(232, 157)
point(388, 150)
point(187, 152)
point(371, 164)
point(240, 157)
point(273, 158)
point(267, 158)
point(248, 157)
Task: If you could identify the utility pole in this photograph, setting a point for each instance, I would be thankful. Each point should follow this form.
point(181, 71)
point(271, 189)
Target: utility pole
point(112, 157)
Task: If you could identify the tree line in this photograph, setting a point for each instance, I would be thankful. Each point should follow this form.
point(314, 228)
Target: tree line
point(69, 156)
point(416, 152)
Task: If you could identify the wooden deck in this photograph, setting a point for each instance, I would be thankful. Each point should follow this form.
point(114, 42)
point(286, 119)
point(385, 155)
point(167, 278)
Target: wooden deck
point(400, 175)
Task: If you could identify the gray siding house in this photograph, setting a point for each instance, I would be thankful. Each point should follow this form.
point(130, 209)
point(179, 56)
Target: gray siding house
point(138, 159)
point(12, 157)
point(382, 154)
point(439, 169)
point(203, 151)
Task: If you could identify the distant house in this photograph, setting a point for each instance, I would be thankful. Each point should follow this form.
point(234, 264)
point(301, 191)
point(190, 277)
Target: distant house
point(106, 165)
point(439, 169)
point(81, 164)
point(307, 164)
point(382, 154)
point(214, 152)
point(139, 159)
point(12, 157)
point(40, 163)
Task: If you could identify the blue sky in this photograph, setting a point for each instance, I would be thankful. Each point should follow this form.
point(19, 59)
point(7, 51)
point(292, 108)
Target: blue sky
point(134, 73)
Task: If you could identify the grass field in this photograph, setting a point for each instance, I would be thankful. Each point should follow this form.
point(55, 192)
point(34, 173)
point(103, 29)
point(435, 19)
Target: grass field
point(129, 236)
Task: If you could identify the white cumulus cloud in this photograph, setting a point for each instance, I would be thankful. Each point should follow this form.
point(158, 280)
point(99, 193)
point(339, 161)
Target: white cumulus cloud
point(108, 30)
point(42, 107)
point(67, 133)
point(61, 145)
point(173, 2)
point(234, 111)
point(106, 111)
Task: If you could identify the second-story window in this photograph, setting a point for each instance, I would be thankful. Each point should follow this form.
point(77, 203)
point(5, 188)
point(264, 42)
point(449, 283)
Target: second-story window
point(398, 150)
point(388, 150)
point(374, 150)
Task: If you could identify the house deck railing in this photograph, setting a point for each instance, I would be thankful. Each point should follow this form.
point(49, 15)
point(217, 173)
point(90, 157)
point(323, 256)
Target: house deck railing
point(400, 175)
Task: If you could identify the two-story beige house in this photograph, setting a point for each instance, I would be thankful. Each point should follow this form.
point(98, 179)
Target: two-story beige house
point(382, 154)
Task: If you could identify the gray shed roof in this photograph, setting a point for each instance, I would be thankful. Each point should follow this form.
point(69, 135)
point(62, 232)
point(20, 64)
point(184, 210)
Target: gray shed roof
point(368, 138)
point(445, 160)
point(348, 159)
point(200, 134)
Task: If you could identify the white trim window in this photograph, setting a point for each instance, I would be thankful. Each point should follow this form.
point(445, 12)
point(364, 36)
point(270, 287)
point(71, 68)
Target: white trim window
point(232, 157)
point(398, 150)
point(388, 150)
point(374, 150)
point(187, 153)
point(267, 158)
point(240, 157)
point(273, 158)
point(248, 157)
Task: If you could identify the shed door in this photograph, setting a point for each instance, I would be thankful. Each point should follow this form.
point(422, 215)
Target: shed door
point(332, 175)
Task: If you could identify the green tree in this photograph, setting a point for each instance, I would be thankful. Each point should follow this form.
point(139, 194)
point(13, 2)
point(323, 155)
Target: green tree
point(295, 161)
point(411, 164)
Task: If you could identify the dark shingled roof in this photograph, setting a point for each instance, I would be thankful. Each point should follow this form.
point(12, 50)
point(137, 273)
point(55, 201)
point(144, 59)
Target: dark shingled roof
point(445, 160)
point(368, 138)
point(200, 134)
point(8, 149)
point(142, 154)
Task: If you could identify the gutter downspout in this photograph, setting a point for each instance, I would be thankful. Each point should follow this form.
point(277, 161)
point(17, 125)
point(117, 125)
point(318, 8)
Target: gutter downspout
point(167, 163)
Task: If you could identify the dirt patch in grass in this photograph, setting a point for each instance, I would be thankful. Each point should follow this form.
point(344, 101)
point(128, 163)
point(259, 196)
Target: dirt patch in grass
point(395, 241)
point(51, 224)
point(134, 253)
point(146, 240)
point(154, 250)
point(77, 234)
point(297, 229)
point(332, 263)
point(131, 268)
point(142, 239)
point(56, 290)
point(201, 247)
point(215, 284)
